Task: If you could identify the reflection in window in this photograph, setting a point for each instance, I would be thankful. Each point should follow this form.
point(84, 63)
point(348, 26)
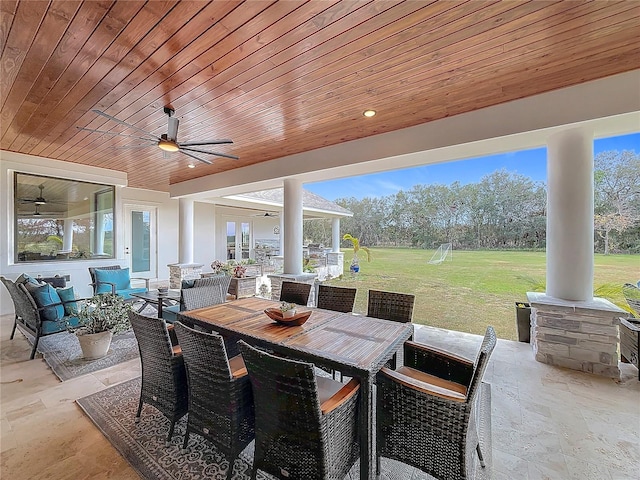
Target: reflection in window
point(57, 219)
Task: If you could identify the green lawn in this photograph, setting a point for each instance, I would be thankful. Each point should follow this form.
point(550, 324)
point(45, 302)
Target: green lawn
point(474, 289)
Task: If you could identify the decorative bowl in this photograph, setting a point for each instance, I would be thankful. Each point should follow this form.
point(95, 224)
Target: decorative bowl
point(294, 321)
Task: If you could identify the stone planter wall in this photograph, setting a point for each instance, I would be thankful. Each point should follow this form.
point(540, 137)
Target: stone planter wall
point(582, 335)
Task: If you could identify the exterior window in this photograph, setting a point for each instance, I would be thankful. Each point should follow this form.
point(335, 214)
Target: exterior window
point(57, 219)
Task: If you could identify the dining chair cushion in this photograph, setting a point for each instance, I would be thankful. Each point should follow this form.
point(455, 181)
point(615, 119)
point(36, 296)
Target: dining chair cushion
point(68, 297)
point(45, 295)
point(120, 278)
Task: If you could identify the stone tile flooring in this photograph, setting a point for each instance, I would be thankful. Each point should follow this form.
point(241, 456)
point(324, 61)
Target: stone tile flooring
point(548, 422)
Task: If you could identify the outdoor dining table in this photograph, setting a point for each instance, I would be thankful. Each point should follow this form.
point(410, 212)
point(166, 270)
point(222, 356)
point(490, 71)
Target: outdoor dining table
point(356, 345)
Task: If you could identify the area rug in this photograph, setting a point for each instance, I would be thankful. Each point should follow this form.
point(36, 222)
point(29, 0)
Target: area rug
point(143, 444)
point(63, 354)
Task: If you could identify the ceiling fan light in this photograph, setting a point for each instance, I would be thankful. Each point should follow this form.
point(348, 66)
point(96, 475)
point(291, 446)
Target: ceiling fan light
point(168, 145)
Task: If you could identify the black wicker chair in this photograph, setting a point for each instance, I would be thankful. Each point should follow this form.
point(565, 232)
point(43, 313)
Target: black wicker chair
point(220, 398)
point(338, 299)
point(164, 379)
point(306, 426)
point(426, 410)
point(397, 307)
point(295, 292)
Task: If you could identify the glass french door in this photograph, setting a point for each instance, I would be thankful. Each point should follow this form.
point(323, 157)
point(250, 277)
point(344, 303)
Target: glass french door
point(238, 240)
point(140, 240)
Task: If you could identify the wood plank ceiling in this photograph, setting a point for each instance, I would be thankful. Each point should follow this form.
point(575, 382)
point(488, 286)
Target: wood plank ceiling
point(281, 77)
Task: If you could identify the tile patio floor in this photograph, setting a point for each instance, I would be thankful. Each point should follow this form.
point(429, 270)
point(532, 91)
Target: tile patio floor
point(547, 422)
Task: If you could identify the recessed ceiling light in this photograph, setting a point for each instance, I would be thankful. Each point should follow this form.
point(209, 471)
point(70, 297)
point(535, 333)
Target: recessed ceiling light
point(191, 165)
point(369, 113)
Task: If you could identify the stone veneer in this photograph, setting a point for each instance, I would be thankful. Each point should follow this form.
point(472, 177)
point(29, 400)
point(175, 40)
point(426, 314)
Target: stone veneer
point(183, 271)
point(578, 335)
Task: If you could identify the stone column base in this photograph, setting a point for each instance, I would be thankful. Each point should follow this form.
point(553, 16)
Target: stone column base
point(183, 271)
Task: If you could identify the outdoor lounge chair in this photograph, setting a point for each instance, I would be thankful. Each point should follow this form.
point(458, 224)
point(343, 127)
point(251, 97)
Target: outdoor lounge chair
point(306, 426)
point(117, 280)
point(164, 379)
point(220, 396)
point(426, 410)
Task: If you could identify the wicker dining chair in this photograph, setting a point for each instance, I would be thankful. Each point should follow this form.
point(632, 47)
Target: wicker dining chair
point(295, 292)
point(427, 410)
point(397, 307)
point(306, 426)
point(220, 397)
point(338, 299)
point(164, 379)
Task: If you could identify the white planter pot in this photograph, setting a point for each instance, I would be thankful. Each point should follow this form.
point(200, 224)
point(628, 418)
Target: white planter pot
point(95, 345)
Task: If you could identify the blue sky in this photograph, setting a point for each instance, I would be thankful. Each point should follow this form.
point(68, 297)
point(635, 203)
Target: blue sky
point(532, 163)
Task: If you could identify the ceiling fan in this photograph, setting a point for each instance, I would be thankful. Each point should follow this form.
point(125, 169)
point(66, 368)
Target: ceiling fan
point(267, 215)
point(39, 200)
point(167, 142)
point(38, 213)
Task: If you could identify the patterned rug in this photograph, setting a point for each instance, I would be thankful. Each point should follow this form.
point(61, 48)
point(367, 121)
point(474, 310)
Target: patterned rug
point(143, 444)
point(63, 354)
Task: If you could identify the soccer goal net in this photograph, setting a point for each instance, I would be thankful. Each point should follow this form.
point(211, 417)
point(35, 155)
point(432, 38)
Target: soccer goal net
point(441, 254)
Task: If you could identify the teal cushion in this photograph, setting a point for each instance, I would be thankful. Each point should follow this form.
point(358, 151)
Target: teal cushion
point(60, 325)
point(120, 278)
point(68, 296)
point(170, 314)
point(45, 295)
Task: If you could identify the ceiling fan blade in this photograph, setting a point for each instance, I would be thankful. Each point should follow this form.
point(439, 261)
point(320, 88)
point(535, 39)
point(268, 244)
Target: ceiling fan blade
point(106, 115)
point(115, 134)
point(137, 145)
point(233, 157)
point(197, 158)
point(166, 155)
point(207, 142)
point(172, 133)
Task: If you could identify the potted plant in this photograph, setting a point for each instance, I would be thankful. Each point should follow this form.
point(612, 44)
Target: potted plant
point(99, 318)
point(355, 262)
point(240, 285)
point(288, 309)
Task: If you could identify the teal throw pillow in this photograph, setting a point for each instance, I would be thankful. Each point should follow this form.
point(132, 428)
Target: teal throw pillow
point(68, 297)
point(45, 295)
point(118, 277)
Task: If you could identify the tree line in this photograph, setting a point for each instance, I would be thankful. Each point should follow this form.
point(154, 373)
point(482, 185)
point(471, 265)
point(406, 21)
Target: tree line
point(504, 210)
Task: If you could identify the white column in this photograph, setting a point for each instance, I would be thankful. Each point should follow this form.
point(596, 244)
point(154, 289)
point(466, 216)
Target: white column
point(335, 234)
point(99, 246)
point(292, 226)
point(67, 236)
point(570, 215)
point(185, 231)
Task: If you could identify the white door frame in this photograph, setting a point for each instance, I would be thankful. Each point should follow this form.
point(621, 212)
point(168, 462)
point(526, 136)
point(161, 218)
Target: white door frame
point(152, 273)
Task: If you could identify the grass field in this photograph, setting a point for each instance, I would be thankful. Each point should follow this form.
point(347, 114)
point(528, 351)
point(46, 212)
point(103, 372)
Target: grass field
point(475, 288)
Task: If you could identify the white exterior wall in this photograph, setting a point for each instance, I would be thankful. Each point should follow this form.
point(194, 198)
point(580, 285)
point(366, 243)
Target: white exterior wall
point(167, 222)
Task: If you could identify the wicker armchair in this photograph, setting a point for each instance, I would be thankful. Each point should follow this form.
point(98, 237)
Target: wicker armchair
point(164, 379)
point(306, 426)
point(397, 307)
point(295, 292)
point(338, 299)
point(220, 398)
point(426, 410)
point(104, 286)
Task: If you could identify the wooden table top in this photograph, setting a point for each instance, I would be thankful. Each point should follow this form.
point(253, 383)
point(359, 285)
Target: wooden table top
point(354, 340)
